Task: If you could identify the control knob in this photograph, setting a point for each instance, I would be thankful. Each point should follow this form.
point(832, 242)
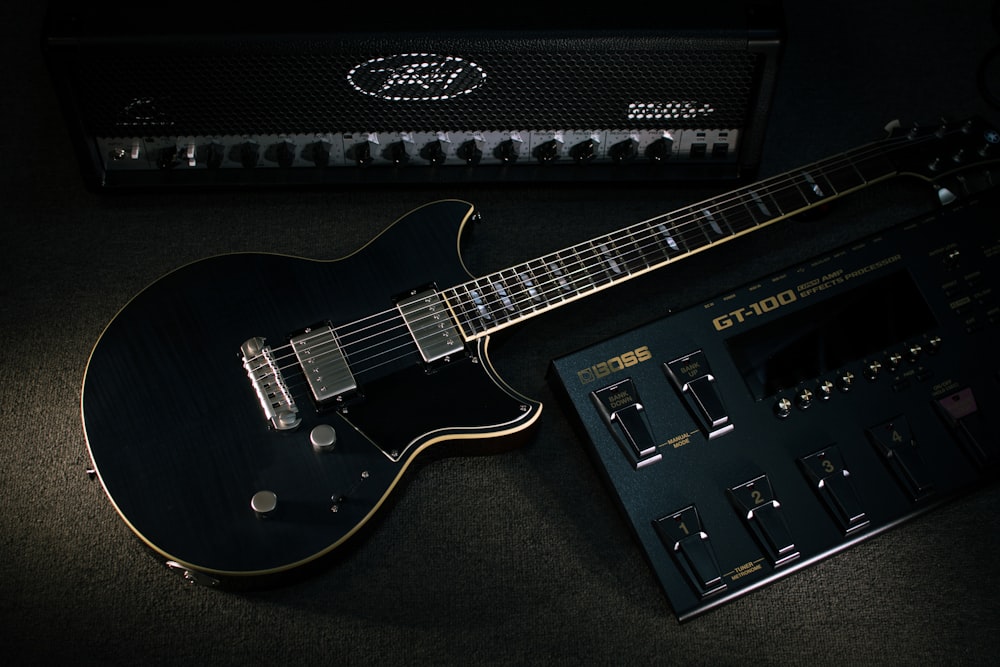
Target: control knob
point(783, 407)
point(624, 151)
point(249, 154)
point(804, 398)
point(547, 151)
point(264, 503)
point(584, 151)
point(825, 389)
point(507, 151)
point(323, 438)
point(845, 381)
point(285, 153)
point(661, 149)
point(433, 152)
point(469, 152)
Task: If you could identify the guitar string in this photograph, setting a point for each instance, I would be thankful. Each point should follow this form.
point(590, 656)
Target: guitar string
point(684, 223)
point(681, 229)
point(735, 217)
point(569, 280)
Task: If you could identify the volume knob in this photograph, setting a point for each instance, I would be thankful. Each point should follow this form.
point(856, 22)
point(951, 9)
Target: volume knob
point(264, 503)
point(323, 437)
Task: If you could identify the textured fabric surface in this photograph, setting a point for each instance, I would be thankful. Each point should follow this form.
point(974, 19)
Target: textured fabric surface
point(518, 558)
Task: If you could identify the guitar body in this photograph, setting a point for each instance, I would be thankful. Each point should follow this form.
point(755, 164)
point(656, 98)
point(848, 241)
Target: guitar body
point(182, 447)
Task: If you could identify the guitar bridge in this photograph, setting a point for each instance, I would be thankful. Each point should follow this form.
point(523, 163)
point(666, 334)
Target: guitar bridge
point(269, 385)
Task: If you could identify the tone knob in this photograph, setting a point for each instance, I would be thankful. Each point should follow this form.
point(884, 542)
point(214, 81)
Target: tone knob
point(661, 149)
point(323, 437)
point(264, 503)
point(547, 151)
point(873, 369)
point(214, 155)
point(361, 153)
point(318, 152)
point(624, 150)
point(914, 351)
point(584, 151)
point(285, 153)
point(469, 152)
point(507, 151)
point(434, 152)
point(397, 154)
point(250, 154)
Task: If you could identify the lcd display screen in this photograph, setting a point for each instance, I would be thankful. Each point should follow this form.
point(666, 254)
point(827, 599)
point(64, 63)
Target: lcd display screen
point(830, 334)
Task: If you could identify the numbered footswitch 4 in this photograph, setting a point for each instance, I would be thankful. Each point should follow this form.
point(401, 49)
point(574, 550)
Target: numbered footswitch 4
point(776, 425)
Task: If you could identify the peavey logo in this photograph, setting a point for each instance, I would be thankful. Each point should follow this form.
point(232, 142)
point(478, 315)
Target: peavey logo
point(416, 77)
point(615, 364)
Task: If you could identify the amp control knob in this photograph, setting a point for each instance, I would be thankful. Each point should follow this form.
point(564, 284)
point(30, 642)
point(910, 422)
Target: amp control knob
point(285, 153)
point(507, 151)
point(547, 151)
point(469, 152)
point(433, 152)
point(250, 154)
point(624, 151)
point(661, 149)
point(585, 151)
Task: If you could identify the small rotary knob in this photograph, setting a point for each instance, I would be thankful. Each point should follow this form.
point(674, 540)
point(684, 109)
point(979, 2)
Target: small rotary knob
point(323, 437)
point(845, 381)
point(264, 503)
point(804, 398)
point(783, 407)
point(825, 389)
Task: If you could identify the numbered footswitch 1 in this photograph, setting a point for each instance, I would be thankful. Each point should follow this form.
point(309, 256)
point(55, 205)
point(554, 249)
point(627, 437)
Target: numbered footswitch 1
point(776, 425)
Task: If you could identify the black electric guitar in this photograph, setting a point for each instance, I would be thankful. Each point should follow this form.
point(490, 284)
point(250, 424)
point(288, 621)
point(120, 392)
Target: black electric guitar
point(248, 414)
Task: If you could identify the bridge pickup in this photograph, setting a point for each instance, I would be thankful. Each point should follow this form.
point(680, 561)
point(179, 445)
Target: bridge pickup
point(323, 363)
point(431, 325)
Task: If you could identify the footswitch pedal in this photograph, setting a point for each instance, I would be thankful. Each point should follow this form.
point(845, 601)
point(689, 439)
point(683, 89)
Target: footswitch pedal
point(785, 421)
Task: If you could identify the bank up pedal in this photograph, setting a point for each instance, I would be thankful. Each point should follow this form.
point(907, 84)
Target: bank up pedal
point(776, 425)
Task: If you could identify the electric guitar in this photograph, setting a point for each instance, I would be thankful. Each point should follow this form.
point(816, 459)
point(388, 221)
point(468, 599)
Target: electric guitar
point(248, 414)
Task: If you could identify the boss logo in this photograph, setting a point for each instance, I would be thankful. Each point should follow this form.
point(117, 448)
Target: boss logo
point(614, 364)
point(417, 77)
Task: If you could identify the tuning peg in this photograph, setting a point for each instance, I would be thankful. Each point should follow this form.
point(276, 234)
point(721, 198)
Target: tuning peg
point(943, 128)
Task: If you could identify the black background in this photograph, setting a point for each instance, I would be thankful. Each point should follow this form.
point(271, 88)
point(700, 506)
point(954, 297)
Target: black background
point(518, 558)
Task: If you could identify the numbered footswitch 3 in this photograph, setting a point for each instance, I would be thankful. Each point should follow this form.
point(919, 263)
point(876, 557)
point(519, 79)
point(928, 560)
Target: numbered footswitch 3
point(776, 425)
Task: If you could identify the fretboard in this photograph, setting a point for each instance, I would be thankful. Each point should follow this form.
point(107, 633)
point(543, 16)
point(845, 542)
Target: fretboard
point(500, 299)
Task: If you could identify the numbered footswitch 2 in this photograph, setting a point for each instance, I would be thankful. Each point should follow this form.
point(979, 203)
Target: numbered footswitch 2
point(797, 415)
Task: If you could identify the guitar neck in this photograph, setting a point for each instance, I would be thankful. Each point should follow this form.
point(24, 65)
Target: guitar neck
point(500, 299)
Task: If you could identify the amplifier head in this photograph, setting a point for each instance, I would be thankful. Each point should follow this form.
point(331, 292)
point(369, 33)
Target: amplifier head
point(516, 95)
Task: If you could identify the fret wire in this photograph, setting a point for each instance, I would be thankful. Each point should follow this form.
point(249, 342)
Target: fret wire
point(592, 264)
